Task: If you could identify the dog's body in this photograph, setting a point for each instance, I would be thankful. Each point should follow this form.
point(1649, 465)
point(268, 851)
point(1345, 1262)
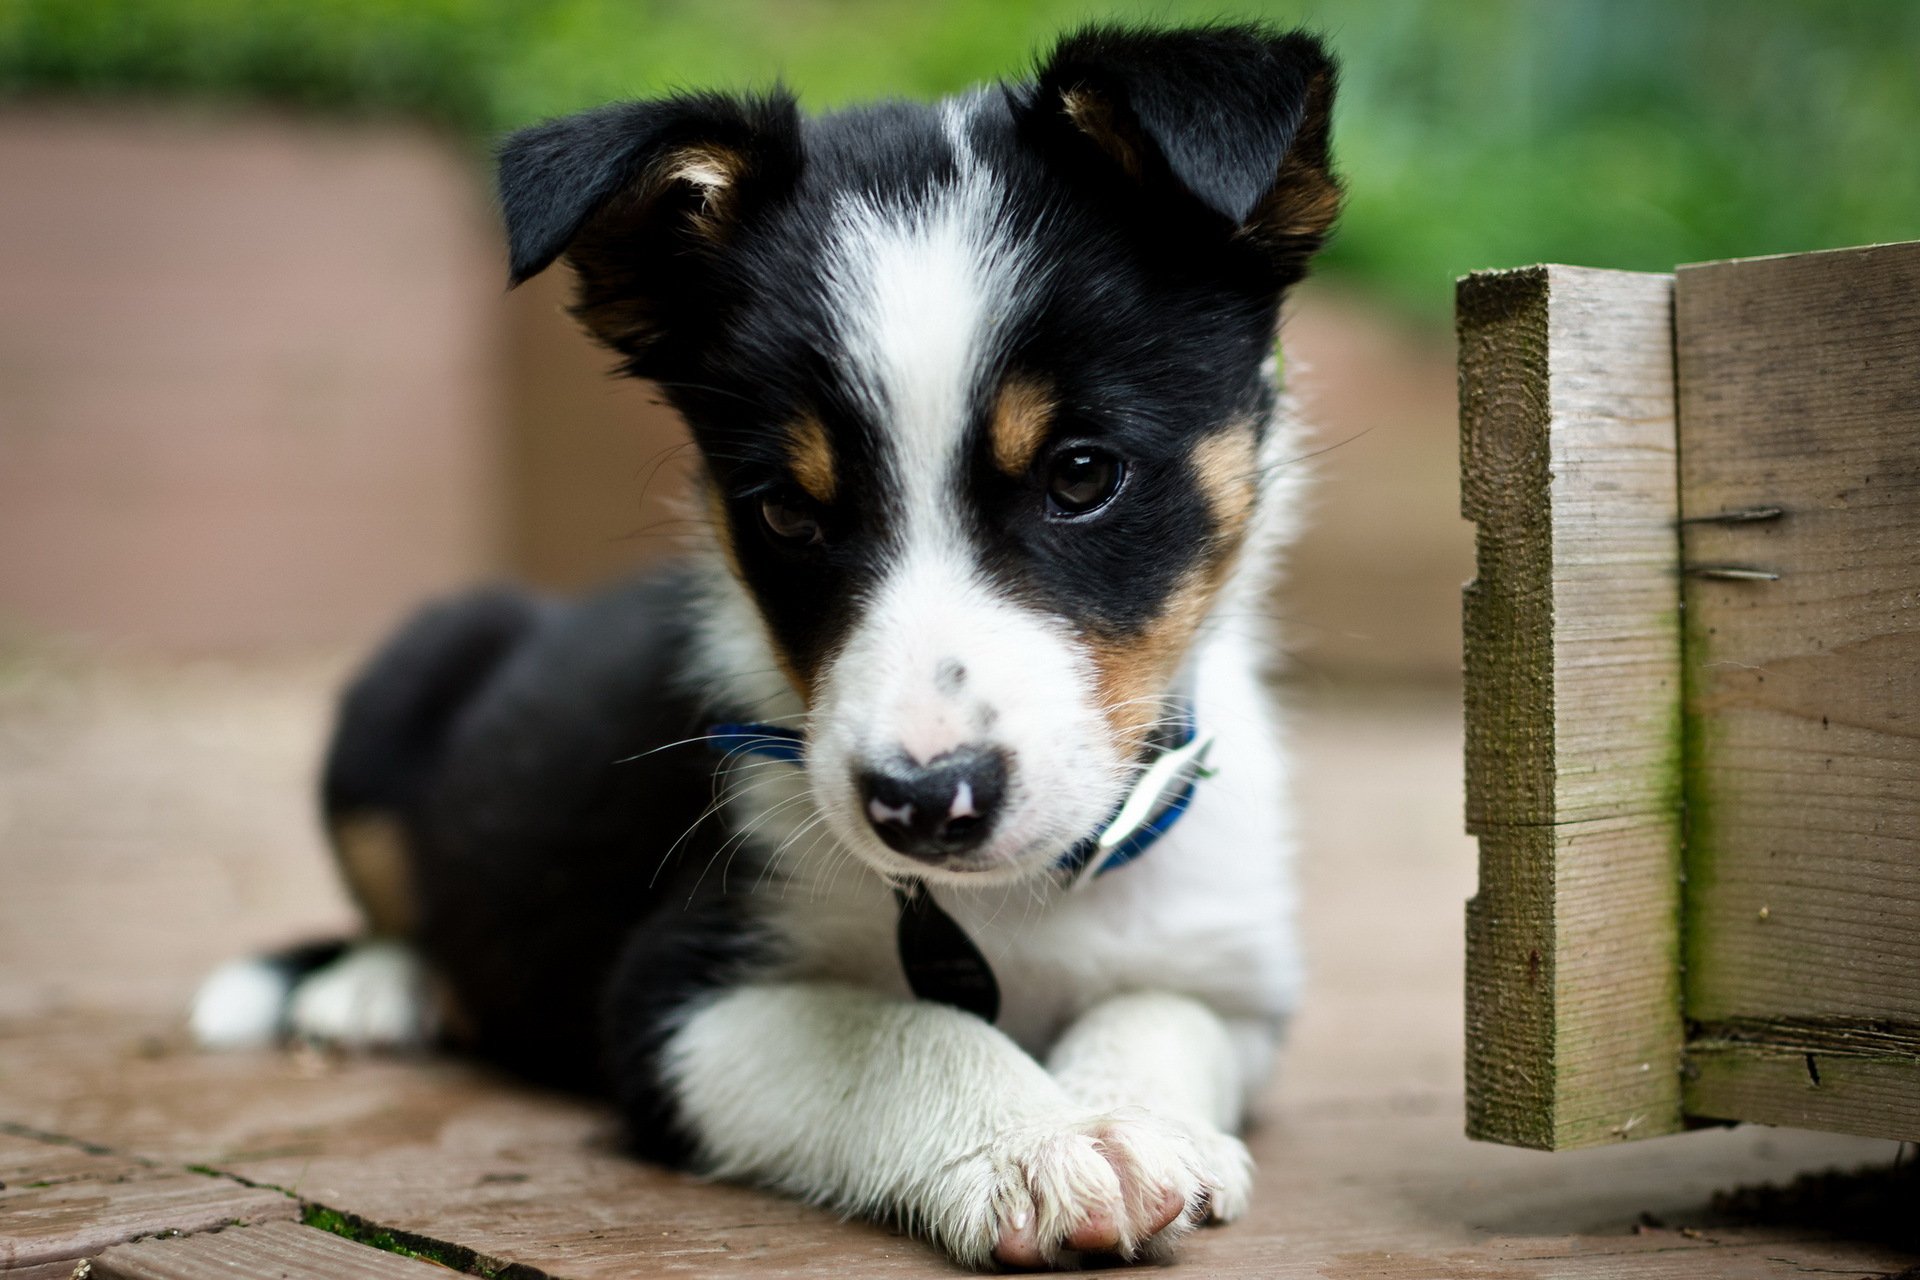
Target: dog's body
point(992, 445)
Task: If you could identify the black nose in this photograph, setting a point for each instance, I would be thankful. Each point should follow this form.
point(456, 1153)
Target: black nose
point(933, 810)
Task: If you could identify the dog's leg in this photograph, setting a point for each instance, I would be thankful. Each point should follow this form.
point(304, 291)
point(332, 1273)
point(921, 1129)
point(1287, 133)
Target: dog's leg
point(923, 1115)
point(1176, 1059)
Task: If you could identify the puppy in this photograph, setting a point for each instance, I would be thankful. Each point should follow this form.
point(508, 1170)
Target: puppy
point(917, 845)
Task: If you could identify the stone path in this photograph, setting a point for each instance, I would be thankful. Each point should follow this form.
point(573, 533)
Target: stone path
point(155, 819)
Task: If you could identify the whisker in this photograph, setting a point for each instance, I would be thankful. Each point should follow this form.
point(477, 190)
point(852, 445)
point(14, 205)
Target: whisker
point(722, 797)
point(733, 842)
point(1260, 471)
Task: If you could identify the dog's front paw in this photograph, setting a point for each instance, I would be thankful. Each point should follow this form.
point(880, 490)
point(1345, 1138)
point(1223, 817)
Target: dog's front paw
point(1125, 1183)
point(377, 996)
point(1228, 1169)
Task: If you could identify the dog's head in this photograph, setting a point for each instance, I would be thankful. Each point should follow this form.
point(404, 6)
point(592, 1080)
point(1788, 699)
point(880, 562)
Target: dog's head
point(981, 390)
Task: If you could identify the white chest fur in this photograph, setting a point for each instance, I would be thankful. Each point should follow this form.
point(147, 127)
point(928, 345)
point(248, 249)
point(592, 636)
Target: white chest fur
point(1207, 912)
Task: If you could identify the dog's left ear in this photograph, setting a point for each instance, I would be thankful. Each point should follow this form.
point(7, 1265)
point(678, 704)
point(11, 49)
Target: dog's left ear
point(641, 198)
point(1236, 117)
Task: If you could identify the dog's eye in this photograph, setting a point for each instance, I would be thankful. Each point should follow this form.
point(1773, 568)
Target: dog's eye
point(1080, 480)
point(792, 518)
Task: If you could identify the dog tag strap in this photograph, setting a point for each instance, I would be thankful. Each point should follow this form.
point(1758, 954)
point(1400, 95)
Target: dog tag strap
point(940, 959)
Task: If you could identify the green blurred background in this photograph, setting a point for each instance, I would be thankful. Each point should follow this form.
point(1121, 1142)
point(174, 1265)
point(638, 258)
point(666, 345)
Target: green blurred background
point(259, 382)
point(1625, 133)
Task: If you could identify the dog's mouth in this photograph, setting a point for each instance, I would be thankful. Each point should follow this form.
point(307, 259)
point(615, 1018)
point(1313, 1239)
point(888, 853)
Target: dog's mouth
point(992, 858)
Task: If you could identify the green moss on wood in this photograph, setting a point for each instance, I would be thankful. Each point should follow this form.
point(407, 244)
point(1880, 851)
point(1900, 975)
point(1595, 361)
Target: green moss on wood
point(1696, 808)
point(405, 1244)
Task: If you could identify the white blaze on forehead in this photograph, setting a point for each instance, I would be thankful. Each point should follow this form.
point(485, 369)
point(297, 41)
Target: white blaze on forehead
point(922, 292)
point(918, 290)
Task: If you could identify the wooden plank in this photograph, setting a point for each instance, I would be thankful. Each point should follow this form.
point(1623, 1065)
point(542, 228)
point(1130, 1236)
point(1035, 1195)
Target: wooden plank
point(1363, 1170)
point(283, 1250)
point(1800, 394)
point(1572, 694)
point(1776, 1082)
point(61, 1203)
point(1748, 1262)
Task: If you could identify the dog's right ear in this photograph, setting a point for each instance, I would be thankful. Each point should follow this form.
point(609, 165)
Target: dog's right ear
point(1235, 117)
point(636, 194)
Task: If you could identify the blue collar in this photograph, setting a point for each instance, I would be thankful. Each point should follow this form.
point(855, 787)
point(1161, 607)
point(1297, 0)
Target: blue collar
point(1159, 797)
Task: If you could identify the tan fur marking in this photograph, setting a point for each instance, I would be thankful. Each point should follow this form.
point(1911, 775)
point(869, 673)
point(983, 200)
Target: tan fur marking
point(1021, 417)
point(377, 866)
point(812, 459)
point(711, 171)
point(1300, 209)
point(1131, 674)
point(613, 303)
point(1092, 115)
point(1227, 468)
point(1302, 206)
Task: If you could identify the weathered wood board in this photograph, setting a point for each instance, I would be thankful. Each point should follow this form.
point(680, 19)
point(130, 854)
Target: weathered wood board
point(1738, 804)
point(1799, 384)
point(61, 1202)
point(282, 1250)
point(1572, 687)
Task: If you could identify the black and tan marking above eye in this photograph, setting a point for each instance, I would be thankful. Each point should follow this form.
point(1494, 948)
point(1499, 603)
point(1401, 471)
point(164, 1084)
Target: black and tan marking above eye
point(1023, 414)
point(1136, 557)
point(810, 454)
point(1076, 479)
point(795, 513)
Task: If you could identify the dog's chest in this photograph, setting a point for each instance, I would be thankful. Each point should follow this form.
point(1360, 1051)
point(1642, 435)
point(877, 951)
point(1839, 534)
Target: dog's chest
point(1055, 952)
point(1206, 912)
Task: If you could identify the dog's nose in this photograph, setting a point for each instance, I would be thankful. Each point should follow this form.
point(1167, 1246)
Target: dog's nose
point(937, 809)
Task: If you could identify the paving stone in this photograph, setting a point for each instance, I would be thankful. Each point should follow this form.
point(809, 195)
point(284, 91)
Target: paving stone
point(277, 1251)
point(60, 1204)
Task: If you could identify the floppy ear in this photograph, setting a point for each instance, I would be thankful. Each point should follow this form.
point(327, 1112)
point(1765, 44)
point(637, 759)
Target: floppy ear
point(635, 193)
point(1235, 117)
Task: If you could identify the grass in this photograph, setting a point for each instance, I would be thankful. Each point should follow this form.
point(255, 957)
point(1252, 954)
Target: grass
point(1625, 133)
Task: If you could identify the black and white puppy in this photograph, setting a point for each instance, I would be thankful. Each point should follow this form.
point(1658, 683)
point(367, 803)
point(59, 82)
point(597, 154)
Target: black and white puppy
point(992, 469)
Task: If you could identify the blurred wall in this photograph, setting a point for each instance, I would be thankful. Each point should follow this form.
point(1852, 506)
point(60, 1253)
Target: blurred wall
point(596, 465)
point(247, 376)
point(260, 383)
point(1373, 589)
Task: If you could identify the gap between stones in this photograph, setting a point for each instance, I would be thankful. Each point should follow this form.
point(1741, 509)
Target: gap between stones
point(349, 1226)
